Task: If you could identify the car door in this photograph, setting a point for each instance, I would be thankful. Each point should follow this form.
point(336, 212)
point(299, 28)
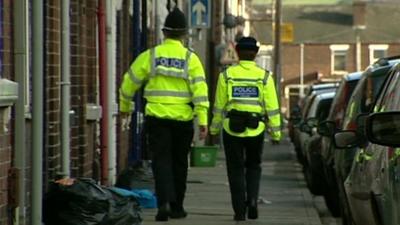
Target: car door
point(369, 184)
point(388, 180)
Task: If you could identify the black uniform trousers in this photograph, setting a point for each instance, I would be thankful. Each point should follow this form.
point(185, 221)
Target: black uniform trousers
point(169, 141)
point(243, 161)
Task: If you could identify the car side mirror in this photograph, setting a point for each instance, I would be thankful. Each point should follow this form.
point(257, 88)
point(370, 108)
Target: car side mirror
point(361, 121)
point(312, 122)
point(326, 128)
point(296, 120)
point(305, 128)
point(346, 139)
point(383, 128)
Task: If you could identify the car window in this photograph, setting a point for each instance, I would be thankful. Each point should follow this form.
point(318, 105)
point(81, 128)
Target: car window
point(363, 98)
point(340, 101)
point(389, 99)
point(323, 109)
point(307, 105)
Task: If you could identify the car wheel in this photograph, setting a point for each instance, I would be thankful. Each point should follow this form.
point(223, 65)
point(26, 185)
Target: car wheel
point(375, 210)
point(347, 219)
point(314, 182)
point(332, 201)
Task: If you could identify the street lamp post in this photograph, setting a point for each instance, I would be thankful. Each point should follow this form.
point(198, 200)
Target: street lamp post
point(277, 46)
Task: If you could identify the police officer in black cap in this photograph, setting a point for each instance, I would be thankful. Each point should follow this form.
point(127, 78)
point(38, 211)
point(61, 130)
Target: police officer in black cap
point(247, 93)
point(175, 89)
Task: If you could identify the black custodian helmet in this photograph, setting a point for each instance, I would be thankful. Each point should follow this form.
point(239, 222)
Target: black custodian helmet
point(247, 43)
point(175, 22)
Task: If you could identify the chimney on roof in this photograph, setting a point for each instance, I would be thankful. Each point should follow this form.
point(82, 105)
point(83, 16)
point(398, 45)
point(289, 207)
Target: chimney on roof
point(359, 14)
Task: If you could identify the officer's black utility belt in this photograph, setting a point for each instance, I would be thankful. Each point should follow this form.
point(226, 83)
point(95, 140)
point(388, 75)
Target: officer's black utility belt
point(240, 120)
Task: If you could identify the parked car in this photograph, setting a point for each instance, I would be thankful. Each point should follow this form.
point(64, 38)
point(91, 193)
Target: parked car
point(335, 119)
point(361, 101)
point(304, 108)
point(372, 186)
point(311, 140)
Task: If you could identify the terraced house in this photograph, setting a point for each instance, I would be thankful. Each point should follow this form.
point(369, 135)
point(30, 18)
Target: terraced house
point(324, 40)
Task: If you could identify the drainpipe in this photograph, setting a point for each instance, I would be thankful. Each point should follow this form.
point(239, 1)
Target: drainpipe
point(37, 112)
point(21, 68)
point(135, 155)
point(112, 156)
point(65, 91)
point(103, 93)
point(301, 70)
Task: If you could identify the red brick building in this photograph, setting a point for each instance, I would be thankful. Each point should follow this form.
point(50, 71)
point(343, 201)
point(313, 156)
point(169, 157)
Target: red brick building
point(336, 39)
point(85, 145)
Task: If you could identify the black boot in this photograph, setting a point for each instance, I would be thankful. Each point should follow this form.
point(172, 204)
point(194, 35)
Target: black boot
point(252, 211)
point(239, 217)
point(177, 211)
point(163, 213)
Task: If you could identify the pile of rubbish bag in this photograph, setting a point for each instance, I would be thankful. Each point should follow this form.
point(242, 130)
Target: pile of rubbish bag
point(83, 202)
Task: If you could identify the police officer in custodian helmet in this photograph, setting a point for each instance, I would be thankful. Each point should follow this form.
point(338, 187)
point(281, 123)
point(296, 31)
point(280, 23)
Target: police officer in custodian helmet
point(175, 90)
point(245, 104)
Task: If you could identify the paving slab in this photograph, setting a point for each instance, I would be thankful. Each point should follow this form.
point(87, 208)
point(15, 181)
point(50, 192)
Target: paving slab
point(285, 199)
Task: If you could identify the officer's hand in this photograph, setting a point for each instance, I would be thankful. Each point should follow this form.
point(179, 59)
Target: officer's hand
point(125, 120)
point(275, 142)
point(203, 131)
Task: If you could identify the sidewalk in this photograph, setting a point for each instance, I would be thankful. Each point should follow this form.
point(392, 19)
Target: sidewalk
point(286, 199)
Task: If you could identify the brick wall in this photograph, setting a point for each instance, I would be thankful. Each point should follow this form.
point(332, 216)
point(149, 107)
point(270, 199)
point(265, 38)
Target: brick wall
point(6, 71)
point(83, 77)
point(89, 167)
point(52, 92)
point(124, 58)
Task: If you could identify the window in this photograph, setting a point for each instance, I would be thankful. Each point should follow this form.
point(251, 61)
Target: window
point(339, 59)
point(376, 52)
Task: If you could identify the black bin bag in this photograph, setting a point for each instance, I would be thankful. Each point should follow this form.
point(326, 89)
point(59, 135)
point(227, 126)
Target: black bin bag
point(86, 203)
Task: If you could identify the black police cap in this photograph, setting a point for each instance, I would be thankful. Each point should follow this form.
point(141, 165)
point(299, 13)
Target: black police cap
point(175, 21)
point(247, 43)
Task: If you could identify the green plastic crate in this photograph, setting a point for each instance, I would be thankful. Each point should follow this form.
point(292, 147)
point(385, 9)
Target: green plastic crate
point(203, 156)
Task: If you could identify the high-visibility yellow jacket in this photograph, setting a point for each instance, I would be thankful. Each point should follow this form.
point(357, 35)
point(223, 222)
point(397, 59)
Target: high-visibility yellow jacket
point(175, 84)
point(246, 87)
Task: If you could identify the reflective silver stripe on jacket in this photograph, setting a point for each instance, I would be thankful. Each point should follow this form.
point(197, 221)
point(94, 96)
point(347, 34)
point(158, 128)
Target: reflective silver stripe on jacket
point(266, 76)
point(199, 99)
point(151, 93)
point(245, 102)
point(186, 68)
point(133, 78)
point(225, 74)
point(125, 96)
point(171, 73)
point(198, 80)
point(273, 112)
point(217, 110)
point(153, 62)
point(275, 129)
point(216, 126)
point(166, 72)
